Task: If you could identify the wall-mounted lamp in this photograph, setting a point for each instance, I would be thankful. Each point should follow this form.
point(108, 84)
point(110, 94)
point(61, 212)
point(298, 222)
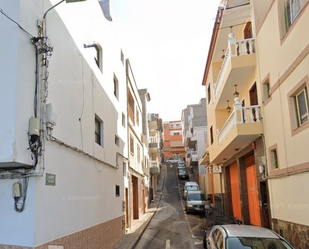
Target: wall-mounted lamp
point(236, 94)
point(228, 108)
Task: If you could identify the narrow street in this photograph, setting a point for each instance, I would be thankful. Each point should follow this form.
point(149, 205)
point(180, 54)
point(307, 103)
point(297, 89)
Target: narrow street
point(170, 227)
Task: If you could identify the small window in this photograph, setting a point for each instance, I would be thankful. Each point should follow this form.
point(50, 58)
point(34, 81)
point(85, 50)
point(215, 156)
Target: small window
point(208, 94)
point(98, 131)
point(164, 127)
point(117, 140)
point(266, 88)
point(299, 106)
point(131, 144)
point(211, 136)
point(138, 153)
point(124, 169)
point(122, 57)
point(117, 190)
point(116, 86)
point(137, 116)
point(274, 159)
point(292, 9)
point(123, 120)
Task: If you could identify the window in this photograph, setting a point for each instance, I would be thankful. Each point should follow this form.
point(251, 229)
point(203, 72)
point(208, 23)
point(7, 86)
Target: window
point(274, 159)
point(164, 127)
point(97, 55)
point(123, 120)
point(266, 89)
point(208, 93)
point(299, 105)
point(122, 57)
point(124, 169)
point(131, 108)
point(115, 86)
point(117, 140)
point(211, 136)
point(98, 131)
point(137, 116)
point(131, 144)
point(117, 190)
point(176, 133)
point(292, 9)
point(138, 153)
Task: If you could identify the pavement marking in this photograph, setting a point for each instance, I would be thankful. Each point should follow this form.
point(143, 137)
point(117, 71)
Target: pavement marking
point(168, 244)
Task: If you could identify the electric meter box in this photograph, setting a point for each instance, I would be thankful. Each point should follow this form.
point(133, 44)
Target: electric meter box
point(34, 127)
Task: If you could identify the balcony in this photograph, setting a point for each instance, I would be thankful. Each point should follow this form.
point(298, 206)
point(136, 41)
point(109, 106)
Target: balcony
point(155, 167)
point(242, 127)
point(154, 144)
point(193, 158)
point(237, 67)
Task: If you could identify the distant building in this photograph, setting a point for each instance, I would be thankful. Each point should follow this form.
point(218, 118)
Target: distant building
point(172, 144)
point(194, 129)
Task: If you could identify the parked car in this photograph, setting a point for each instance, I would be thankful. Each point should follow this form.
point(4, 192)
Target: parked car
point(196, 201)
point(173, 160)
point(181, 165)
point(189, 186)
point(182, 173)
point(236, 236)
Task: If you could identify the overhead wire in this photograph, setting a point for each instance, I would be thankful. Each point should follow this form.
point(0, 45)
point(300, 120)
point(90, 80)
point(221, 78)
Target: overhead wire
point(3, 13)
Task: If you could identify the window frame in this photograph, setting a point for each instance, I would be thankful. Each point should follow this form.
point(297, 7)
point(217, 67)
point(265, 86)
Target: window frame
point(296, 123)
point(116, 86)
point(98, 134)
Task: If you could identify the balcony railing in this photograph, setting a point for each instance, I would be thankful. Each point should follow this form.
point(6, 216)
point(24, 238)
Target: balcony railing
point(155, 166)
point(235, 48)
point(247, 114)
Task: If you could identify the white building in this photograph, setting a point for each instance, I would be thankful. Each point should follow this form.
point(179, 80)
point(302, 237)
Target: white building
point(67, 166)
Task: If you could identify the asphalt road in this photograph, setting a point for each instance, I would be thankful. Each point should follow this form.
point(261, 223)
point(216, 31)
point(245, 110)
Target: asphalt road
point(170, 227)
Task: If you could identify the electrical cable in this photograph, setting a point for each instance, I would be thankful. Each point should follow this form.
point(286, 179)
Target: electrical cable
point(3, 13)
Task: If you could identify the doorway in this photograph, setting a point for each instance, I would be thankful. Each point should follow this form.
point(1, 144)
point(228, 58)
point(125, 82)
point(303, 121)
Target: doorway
point(235, 191)
point(135, 197)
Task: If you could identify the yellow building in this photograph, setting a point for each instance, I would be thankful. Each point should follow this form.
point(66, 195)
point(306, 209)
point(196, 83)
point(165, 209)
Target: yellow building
point(256, 80)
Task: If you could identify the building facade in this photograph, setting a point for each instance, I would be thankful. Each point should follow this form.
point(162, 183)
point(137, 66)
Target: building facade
point(137, 180)
point(194, 129)
point(257, 142)
point(64, 139)
point(172, 143)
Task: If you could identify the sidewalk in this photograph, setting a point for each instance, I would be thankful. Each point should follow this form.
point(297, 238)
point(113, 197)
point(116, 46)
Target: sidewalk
point(130, 239)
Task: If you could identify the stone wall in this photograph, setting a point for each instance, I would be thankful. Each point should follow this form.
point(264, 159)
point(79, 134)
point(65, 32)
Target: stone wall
point(296, 234)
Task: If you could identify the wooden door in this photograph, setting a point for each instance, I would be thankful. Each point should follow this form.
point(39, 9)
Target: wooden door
point(253, 198)
point(235, 191)
point(127, 208)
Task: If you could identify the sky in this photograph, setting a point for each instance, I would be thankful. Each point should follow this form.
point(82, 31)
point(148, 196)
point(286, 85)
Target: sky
point(167, 43)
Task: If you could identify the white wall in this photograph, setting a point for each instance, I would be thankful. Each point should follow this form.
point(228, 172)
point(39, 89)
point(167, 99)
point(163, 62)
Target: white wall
point(84, 194)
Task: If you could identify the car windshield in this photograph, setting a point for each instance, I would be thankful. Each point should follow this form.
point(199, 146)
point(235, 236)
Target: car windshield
point(193, 187)
point(256, 243)
point(182, 172)
point(196, 197)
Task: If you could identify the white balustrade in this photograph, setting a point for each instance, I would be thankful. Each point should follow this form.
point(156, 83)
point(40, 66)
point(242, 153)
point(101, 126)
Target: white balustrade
point(249, 114)
point(235, 48)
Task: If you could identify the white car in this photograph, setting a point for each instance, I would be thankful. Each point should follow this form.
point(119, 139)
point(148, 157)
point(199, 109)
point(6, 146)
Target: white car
point(196, 201)
point(236, 236)
point(173, 160)
point(189, 186)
